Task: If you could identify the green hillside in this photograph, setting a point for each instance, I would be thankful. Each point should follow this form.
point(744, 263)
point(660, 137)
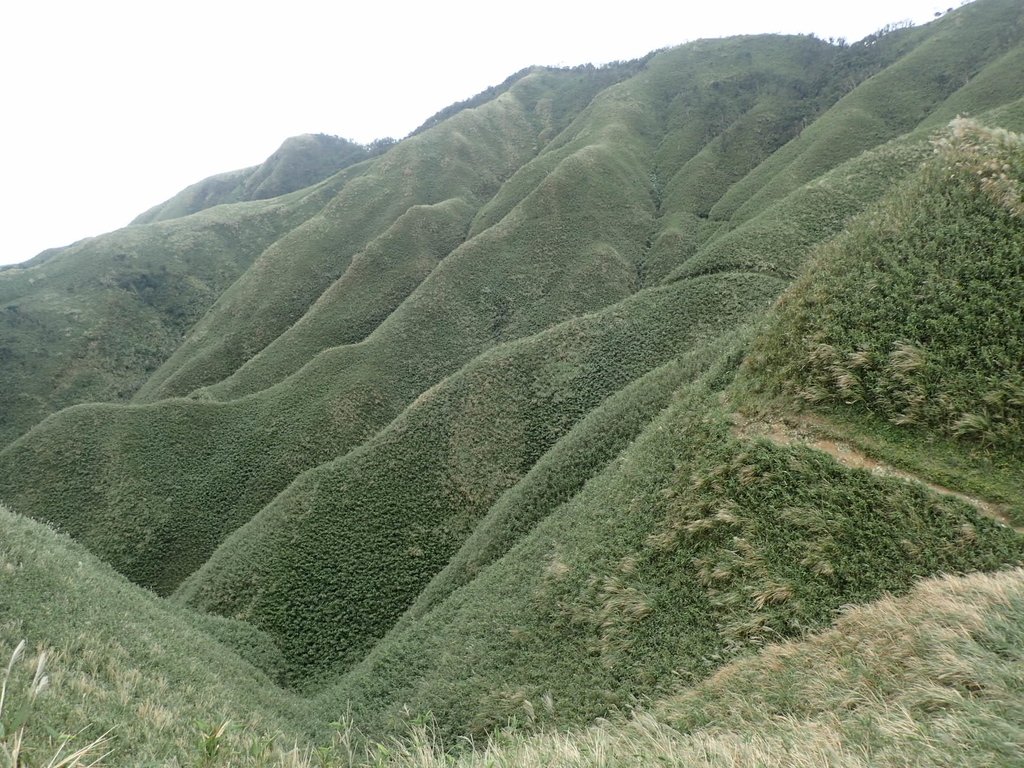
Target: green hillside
point(94, 320)
point(414, 492)
point(931, 674)
point(912, 317)
point(560, 432)
point(687, 549)
point(123, 661)
point(930, 677)
point(299, 162)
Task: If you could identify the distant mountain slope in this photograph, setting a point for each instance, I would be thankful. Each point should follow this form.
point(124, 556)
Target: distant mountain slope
point(575, 242)
point(946, 56)
point(716, 110)
point(93, 320)
point(413, 494)
point(510, 423)
point(588, 185)
point(467, 157)
point(299, 162)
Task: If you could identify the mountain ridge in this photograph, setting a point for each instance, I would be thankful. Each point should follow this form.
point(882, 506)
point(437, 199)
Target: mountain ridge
point(451, 432)
point(299, 162)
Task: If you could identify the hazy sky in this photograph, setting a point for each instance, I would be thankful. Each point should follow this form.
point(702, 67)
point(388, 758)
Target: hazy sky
point(110, 107)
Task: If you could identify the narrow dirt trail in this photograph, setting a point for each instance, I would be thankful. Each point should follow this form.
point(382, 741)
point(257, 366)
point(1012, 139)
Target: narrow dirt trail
point(782, 432)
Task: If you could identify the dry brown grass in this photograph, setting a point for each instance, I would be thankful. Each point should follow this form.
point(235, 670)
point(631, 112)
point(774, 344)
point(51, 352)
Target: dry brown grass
point(932, 678)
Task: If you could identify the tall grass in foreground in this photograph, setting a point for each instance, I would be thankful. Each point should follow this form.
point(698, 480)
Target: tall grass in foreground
point(18, 695)
point(933, 678)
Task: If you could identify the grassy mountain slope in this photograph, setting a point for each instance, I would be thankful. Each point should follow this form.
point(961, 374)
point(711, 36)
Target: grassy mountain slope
point(946, 55)
point(123, 661)
point(689, 547)
point(377, 281)
point(742, 221)
point(569, 248)
point(756, 79)
point(671, 549)
point(595, 191)
point(300, 162)
point(995, 86)
point(611, 615)
point(779, 239)
point(92, 321)
point(467, 157)
point(581, 83)
point(573, 242)
point(930, 677)
point(931, 674)
point(508, 427)
point(913, 315)
point(559, 474)
point(410, 496)
point(186, 457)
point(625, 116)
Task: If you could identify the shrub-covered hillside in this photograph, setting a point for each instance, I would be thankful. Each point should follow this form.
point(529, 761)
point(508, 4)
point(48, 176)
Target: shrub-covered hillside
point(300, 162)
point(914, 314)
point(602, 395)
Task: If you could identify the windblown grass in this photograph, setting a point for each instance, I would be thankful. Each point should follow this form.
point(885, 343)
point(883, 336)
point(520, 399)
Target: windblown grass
point(913, 314)
point(931, 678)
point(17, 700)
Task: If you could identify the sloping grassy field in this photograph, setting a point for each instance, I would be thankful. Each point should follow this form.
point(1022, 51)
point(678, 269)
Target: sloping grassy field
point(123, 662)
point(931, 678)
point(912, 317)
point(451, 443)
point(94, 320)
point(687, 549)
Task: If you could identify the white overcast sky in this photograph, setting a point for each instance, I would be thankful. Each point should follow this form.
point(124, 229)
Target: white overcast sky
point(111, 107)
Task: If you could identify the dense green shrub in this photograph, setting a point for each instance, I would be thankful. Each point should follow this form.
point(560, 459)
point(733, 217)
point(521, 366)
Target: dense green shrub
point(914, 313)
point(453, 434)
